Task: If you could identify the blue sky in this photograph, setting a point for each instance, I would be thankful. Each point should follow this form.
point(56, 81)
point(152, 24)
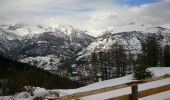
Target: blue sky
point(91, 15)
point(135, 2)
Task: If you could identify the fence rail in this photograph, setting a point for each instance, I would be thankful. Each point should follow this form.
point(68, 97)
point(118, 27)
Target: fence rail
point(135, 94)
point(143, 93)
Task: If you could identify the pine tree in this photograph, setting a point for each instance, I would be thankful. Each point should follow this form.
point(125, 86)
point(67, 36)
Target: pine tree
point(166, 56)
point(150, 57)
point(150, 52)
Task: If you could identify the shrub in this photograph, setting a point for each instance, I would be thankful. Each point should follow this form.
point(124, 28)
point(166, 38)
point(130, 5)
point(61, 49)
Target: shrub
point(142, 74)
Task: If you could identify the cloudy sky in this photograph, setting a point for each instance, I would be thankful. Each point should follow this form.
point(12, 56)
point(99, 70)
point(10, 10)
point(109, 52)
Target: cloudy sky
point(86, 14)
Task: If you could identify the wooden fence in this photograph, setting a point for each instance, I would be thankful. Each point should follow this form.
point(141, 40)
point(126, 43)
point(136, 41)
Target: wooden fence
point(134, 86)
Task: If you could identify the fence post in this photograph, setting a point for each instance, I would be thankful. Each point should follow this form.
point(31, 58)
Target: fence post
point(134, 89)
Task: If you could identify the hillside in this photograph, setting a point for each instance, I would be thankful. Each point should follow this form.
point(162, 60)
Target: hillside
point(19, 75)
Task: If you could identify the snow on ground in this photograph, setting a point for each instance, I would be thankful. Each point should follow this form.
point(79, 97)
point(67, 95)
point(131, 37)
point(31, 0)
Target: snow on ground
point(157, 71)
point(127, 90)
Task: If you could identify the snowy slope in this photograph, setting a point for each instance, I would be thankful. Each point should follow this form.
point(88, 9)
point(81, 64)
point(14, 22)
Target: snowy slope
point(48, 62)
point(157, 71)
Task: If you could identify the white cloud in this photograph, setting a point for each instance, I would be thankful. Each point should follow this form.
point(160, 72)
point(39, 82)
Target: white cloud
point(85, 14)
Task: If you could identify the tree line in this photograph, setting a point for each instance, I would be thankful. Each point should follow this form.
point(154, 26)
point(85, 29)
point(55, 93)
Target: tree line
point(118, 61)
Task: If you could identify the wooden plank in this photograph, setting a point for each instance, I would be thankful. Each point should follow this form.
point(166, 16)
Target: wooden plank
point(143, 93)
point(106, 89)
point(152, 91)
point(124, 97)
point(92, 92)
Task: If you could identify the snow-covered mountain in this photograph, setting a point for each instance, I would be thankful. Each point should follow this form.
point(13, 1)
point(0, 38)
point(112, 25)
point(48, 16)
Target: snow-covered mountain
point(46, 46)
point(130, 36)
point(42, 46)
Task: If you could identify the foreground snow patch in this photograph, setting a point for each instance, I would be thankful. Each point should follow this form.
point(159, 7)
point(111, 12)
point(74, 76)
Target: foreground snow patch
point(37, 93)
